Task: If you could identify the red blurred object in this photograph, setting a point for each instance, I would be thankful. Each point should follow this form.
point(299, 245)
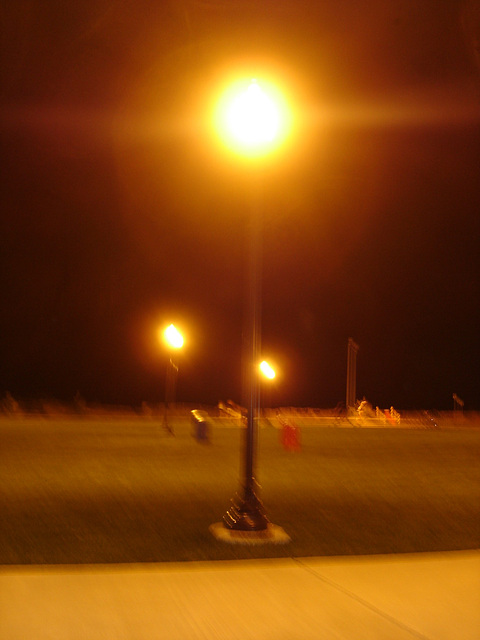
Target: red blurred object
point(290, 437)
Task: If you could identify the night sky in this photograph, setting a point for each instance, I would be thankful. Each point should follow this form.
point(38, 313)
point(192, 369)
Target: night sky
point(121, 213)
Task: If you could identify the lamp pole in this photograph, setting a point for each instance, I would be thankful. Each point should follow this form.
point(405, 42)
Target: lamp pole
point(268, 374)
point(351, 375)
point(174, 341)
point(247, 513)
point(252, 124)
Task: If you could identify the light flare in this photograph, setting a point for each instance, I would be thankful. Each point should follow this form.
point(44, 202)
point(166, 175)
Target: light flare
point(252, 119)
point(267, 370)
point(173, 337)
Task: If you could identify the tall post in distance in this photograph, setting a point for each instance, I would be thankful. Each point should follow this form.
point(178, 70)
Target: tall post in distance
point(268, 375)
point(171, 375)
point(174, 341)
point(351, 374)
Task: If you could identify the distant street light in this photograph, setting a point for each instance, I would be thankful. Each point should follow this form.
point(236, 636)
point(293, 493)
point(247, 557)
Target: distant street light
point(174, 341)
point(266, 390)
point(267, 370)
point(252, 120)
point(173, 337)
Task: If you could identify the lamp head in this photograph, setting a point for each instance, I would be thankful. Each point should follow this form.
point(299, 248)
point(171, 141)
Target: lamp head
point(173, 337)
point(267, 370)
point(252, 118)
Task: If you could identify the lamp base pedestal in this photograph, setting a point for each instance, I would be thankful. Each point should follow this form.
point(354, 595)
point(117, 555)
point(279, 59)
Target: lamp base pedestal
point(273, 534)
point(246, 514)
point(246, 523)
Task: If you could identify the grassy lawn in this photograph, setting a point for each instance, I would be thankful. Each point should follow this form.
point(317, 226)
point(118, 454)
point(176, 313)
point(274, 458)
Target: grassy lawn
point(88, 491)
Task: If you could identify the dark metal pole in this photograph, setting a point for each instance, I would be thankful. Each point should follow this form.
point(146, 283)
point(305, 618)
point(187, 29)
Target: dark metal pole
point(170, 385)
point(351, 373)
point(247, 513)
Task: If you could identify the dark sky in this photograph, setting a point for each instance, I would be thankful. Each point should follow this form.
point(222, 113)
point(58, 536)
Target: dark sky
point(120, 213)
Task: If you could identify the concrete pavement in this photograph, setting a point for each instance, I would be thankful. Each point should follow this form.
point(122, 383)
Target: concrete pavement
point(434, 596)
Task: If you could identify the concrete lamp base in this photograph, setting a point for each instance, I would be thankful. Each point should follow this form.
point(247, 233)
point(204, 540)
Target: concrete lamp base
point(273, 534)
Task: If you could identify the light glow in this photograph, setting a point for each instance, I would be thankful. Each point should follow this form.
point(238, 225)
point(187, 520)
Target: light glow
point(173, 337)
point(252, 118)
point(267, 370)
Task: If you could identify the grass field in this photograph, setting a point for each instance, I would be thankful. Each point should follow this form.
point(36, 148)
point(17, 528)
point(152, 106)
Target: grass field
point(90, 491)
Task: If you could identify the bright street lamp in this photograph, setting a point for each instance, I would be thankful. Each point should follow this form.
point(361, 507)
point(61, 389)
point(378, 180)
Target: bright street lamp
point(252, 120)
point(173, 337)
point(174, 341)
point(267, 387)
point(267, 370)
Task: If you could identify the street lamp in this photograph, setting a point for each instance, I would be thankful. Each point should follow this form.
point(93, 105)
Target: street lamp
point(269, 374)
point(174, 341)
point(252, 120)
point(267, 370)
point(173, 337)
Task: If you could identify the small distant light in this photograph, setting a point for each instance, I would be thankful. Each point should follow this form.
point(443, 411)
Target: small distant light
point(173, 337)
point(267, 370)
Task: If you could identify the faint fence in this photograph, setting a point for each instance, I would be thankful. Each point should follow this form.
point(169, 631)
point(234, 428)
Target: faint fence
point(230, 415)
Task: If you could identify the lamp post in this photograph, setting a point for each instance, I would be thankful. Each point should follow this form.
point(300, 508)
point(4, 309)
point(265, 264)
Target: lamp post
point(267, 370)
point(268, 374)
point(174, 341)
point(251, 122)
point(351, 375)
